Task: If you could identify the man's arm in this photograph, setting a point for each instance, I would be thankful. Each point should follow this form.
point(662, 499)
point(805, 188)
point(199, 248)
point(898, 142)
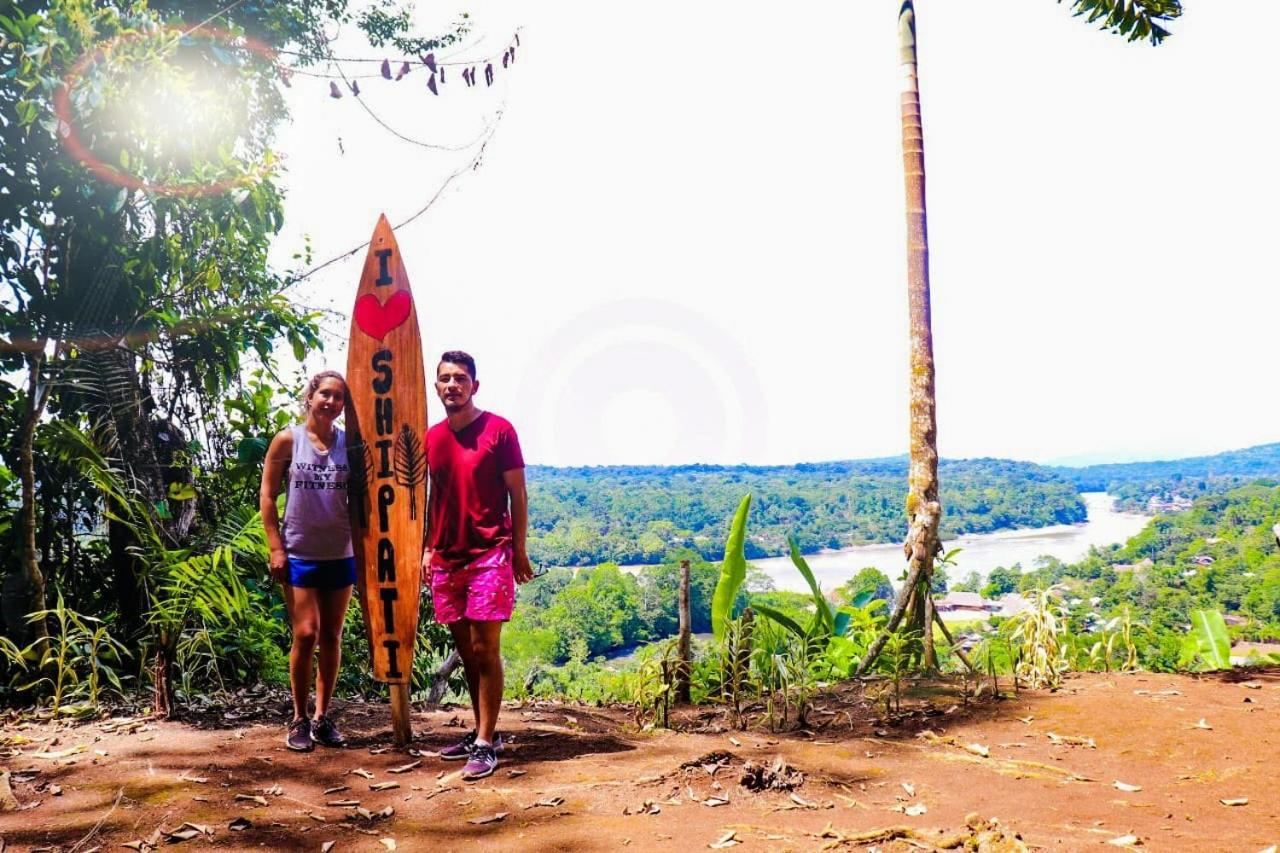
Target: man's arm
point(279, 455)
point(514, 479)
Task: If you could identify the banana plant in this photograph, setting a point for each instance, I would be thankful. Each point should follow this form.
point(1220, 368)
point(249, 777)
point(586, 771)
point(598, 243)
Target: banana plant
point(1208, 643)
point(733, 571)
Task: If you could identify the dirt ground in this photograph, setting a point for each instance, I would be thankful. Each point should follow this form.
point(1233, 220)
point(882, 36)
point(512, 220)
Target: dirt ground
point(1172, 762)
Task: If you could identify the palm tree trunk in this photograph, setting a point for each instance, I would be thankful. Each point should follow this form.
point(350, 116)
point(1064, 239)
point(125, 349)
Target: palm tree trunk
point(923, 508)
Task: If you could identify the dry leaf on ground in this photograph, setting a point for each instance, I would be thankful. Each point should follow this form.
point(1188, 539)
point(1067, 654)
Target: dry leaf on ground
point(405, 768)
point(1126, 841)
point(1235, 801)
point(1126, 787)
point(384, 786)
point(729, 839)
point(493, 818)
point(360, 771)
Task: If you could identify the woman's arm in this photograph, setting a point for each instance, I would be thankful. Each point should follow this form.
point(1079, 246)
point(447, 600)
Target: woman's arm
point(274, 469)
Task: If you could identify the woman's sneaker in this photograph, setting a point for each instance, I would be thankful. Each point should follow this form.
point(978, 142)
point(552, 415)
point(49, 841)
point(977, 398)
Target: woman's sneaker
point(462, 749)
point(298, 737)
point(484, 760)
point(326, 733)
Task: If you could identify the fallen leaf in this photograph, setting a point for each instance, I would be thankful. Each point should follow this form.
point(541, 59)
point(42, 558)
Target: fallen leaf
point(384, 786)
point(735, 741)
point(909, 788)
point(1126, 841)
point(493, 818)
point(8, 802)
point(1203, 725)
point(978, 749)
point(1127, 788)
point(360, 771)
point(405, 768)
point(239, 824)
point(53, 756)
point(514, 773)
point(389, 843)
point(1237, 801)
point(1026, 720)
point(184, 834)
point(274, 791)
point(343, 804)
point(336, 789)
point(1251, 685)
point(549, 802)
point(199, 780)
point(715, 801)
point(327, 846)
point(726, 840)
point(252, 798)
point(1072, 740)
point(915, 810)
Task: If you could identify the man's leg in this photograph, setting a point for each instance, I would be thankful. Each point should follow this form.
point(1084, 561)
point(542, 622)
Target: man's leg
point(332, 608)
point(461, 631)
point(304, 618)
point(486, 649)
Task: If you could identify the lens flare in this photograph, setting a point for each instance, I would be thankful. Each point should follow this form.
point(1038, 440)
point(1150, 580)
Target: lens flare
point(177, 104)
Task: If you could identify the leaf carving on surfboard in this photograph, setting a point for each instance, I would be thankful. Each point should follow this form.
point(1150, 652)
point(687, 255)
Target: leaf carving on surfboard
point(360, 465)
point(410, 465)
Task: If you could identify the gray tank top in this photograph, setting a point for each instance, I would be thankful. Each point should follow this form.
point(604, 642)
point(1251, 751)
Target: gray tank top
point(316, 525)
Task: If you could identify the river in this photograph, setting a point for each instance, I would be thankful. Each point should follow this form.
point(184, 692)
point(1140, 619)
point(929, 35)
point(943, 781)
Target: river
point(981, 552)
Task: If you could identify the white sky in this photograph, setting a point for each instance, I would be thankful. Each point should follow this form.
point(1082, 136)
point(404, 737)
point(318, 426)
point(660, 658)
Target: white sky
point(686, 240)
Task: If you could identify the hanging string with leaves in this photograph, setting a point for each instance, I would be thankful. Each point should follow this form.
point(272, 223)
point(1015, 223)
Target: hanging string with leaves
point(410, 465)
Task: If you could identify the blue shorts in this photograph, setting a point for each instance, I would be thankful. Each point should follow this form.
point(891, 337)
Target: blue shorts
point(322, 574)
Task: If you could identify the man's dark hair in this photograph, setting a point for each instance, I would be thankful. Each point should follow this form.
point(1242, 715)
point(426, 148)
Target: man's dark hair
point(457, 356)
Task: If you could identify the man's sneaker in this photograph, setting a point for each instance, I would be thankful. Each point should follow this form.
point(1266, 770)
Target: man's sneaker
point(326, 733)
point(299, 736)
point(484, 760)
point(462, 749)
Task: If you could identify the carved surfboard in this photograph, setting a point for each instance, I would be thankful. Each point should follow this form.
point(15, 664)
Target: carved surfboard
point(386, 427)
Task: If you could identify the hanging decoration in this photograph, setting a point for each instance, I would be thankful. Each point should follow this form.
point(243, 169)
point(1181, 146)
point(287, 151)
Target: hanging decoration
point(428, 63)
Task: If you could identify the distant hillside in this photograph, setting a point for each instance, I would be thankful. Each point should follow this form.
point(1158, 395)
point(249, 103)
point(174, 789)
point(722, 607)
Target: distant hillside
point(636, 514)
point(1173, 484)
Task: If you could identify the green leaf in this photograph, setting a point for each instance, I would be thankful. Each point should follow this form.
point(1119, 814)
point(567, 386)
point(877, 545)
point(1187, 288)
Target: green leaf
point(733, 571)
point(820, 602)
point(781, 618)
point(1209, 630)
point(181, 491)
point(252, 449)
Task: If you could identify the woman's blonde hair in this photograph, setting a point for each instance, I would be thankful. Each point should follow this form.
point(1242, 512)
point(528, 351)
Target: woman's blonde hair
point(314, 385)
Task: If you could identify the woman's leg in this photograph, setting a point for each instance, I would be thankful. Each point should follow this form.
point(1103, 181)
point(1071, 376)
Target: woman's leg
point(333, 614)
point(304, 617)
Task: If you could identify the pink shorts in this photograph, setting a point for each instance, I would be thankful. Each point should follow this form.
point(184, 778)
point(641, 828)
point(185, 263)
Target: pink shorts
point(484, 590)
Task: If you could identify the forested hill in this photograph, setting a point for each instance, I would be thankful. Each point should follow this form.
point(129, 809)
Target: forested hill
point(1175, 483)
point(630, 514)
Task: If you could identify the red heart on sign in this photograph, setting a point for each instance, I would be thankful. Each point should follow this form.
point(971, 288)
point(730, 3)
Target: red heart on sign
point(376, 318)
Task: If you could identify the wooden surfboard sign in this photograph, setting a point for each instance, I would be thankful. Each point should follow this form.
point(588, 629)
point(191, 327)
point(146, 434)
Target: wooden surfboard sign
point(386, 429)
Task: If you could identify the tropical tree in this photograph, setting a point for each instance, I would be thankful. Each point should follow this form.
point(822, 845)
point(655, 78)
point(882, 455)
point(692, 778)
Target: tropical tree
point(1133, 19)
point(133, 246)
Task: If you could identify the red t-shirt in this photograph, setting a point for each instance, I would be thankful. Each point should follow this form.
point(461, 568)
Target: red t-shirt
point(468, 505)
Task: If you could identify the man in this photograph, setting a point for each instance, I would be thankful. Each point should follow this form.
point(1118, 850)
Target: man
point(475, 553)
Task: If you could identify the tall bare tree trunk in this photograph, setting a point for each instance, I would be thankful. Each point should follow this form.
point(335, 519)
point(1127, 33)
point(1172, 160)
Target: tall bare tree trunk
point(24, 588)
point(684, 654)
point(924, 512)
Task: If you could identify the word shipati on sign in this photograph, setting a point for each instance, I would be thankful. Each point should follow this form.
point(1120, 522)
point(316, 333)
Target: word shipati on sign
point(387, 421)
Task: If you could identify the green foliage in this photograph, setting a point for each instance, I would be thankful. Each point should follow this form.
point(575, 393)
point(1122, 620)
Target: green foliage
point(733, 571)
point(76, 658)
point(1207, 644)
point(1039, 633)
point(634, 515)
point(1133, 19)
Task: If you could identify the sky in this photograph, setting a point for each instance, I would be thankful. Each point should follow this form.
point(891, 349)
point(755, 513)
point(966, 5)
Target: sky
point(685, 240)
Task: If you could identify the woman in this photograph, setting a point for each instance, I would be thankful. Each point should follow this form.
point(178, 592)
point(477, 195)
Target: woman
point(313, 559)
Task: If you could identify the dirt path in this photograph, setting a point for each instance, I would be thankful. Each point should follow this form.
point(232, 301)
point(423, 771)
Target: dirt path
point(583, 779)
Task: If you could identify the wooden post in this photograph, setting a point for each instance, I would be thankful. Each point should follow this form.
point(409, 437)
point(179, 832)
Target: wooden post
point(684, 665)
point(401, 728)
